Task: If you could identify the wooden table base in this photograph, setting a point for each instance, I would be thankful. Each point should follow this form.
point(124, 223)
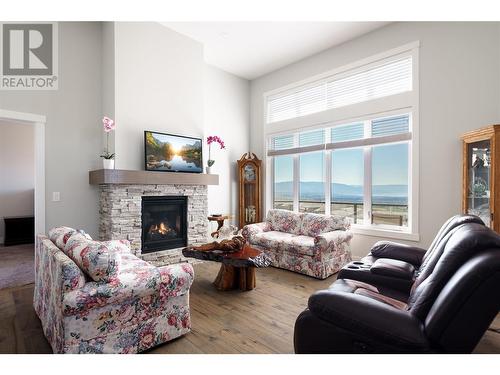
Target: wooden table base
point(230, 277)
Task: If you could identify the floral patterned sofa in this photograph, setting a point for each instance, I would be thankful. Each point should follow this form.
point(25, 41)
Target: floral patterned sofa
point(96, 297)
point(312, 244)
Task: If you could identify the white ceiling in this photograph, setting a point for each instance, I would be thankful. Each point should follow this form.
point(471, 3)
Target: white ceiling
point(252, 49)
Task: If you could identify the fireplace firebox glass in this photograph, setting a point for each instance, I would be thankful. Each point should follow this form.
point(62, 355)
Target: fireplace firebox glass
point(164, 223)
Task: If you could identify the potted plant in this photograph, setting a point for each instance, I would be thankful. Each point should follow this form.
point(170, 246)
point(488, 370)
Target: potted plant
point(108, 159)
point(211, 139)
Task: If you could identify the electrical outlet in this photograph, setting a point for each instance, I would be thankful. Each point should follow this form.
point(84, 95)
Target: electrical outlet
point(56, 196)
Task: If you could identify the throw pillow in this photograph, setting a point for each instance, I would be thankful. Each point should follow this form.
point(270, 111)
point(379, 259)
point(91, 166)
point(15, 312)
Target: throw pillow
point(87, 236)
point(60, 235)
point(99, 260)
point(316, 224)
point(284, 221)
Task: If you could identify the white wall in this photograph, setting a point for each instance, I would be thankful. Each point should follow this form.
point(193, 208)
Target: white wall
point(227, 115)
point(459, 91)
point(162, 83)
point(73, 130)
point(108, 79)
point(17, 171)
point(158, 86)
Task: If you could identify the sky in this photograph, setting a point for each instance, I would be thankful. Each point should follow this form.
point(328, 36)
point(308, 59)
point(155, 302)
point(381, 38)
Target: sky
point(176, 141)
point(389, 166)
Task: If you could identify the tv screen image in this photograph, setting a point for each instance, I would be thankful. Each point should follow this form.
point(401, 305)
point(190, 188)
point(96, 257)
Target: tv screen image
point(172, 153)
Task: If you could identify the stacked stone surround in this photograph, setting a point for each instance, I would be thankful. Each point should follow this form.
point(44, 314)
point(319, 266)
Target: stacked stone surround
point(120, 216)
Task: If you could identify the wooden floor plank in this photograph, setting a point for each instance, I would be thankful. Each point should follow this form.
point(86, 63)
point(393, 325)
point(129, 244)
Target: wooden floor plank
point(27, 324)
point(257, 321)
point(7, 327)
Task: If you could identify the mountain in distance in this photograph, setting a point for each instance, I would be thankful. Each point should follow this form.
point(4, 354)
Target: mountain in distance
point(342, 192)
point(195, 146)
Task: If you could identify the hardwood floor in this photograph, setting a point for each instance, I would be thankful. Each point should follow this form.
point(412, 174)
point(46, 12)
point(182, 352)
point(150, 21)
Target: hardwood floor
point(258, 321)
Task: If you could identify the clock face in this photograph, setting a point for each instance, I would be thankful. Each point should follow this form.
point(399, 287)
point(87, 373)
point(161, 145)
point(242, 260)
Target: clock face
point(249, 172)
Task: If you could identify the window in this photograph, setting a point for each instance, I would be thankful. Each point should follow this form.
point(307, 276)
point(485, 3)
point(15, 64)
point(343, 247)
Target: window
point(390, 185)
point(283, 182)
point(347, 184)
point(312, 183)
point(331, 154)
point(379, 145)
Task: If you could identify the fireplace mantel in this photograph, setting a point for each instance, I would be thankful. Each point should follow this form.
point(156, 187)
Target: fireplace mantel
point(129, 177)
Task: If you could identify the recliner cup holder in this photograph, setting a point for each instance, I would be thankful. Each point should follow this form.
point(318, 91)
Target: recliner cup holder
point(353, 267)
point(358, 263)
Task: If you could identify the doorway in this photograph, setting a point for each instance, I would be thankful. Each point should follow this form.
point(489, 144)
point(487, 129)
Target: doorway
point(23, 189)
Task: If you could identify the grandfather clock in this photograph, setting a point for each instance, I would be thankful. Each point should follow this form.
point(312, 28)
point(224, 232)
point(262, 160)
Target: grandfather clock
point(249, 189)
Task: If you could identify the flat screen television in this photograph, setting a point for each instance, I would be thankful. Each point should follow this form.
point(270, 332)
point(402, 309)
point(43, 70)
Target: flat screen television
point(172, 153)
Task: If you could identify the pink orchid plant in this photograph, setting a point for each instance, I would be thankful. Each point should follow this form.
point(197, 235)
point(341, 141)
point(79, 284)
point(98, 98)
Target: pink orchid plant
point(108, 125)
point(211, 139)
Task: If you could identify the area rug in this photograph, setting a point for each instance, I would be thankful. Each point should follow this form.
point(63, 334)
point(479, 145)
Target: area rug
point(17, 265)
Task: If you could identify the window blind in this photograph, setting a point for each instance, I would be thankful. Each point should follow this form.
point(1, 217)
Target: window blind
point(388, 78)
point(383, 130)
point(282, 142)
point(390, 126)
point(349, 132)
point(312, 138)
point(304, 101)
point(385, 80)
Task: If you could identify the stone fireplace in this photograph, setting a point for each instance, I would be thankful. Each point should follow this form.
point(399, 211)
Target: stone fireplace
point(158, 216)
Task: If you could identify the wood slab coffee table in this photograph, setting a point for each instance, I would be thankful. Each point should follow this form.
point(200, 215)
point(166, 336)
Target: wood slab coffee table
point(237, 269)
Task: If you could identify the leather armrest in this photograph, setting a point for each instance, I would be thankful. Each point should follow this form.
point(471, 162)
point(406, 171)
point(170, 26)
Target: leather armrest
point(368, 317)
point(393, 268)
point(398, 251)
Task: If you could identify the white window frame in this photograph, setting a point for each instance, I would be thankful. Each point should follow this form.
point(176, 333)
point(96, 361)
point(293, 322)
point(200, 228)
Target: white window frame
point(407, 102)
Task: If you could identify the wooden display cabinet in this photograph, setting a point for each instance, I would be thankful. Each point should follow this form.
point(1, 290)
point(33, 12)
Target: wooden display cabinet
point(481, 174)
point(249, 171)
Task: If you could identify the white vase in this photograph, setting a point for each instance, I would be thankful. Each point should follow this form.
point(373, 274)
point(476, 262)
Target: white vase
point(108, 163)
point(209, 170)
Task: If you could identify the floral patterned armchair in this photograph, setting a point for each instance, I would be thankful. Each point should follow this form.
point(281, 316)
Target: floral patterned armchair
point(133, 307)
point(312, 244)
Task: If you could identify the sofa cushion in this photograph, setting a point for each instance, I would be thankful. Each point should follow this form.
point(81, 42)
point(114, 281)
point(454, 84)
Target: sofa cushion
point(270, 239)
point(288, 242)
point(99, 260)
point(301, 245)
point(315, 224)
point(60, 235)
point(284, 221)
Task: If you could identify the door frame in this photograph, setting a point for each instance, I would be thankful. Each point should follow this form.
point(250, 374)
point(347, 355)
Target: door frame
point(38, 121)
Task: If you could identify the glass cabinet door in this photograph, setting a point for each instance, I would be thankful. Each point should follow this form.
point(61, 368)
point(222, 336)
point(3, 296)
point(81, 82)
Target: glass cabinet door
point(249, 181)
point(479, 184)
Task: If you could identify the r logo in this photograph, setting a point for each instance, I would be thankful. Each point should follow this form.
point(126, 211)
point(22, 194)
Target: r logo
point(27, 49)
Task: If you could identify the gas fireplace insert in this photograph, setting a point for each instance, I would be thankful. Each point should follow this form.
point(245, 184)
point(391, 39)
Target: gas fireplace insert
point(164, 223)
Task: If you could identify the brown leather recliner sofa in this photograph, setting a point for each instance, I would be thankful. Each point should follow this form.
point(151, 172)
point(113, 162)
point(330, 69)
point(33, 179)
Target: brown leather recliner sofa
point(395, 265)
point(447, 303)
